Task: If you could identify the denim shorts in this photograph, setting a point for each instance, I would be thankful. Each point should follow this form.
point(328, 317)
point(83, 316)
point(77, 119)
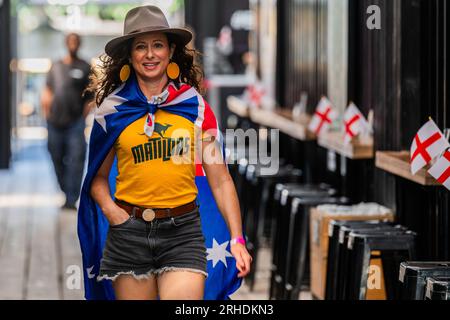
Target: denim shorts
point(142, 248)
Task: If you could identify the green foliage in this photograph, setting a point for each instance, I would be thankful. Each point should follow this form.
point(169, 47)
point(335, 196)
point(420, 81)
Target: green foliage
point(115, 12)
point(176, 5)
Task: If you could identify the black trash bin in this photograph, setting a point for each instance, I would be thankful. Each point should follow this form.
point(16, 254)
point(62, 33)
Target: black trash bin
point(438, 288)
point(413, 277)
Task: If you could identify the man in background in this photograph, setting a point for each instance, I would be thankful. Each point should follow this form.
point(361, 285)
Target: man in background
point(65, 108)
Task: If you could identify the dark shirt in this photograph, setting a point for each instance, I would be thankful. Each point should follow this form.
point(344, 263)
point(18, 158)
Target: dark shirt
point(67, 82)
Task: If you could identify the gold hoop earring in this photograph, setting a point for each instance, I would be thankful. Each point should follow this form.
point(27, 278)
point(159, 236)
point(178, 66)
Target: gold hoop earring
point(125, 72)
point(173, 70)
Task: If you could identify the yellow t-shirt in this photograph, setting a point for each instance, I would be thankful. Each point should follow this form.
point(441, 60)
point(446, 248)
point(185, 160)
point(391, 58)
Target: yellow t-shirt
point(158, 171)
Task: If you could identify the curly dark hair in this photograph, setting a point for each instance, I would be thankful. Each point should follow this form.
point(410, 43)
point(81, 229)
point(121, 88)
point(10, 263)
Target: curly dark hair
point(106, 78)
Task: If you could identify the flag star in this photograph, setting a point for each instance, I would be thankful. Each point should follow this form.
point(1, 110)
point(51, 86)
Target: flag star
point(218, 252)
point(108, 107)
point(89, 272)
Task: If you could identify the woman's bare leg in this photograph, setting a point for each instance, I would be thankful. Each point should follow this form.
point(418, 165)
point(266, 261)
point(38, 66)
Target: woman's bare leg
point(181, 285)
point(126, 287)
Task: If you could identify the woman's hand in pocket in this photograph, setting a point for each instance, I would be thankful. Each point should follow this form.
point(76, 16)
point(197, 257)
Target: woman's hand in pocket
point(116, 215)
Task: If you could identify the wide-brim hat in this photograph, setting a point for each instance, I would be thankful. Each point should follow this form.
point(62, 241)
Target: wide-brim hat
point(146, 19)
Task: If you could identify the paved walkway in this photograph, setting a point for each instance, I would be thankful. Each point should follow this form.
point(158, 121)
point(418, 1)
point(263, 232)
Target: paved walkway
point(39, 250)
point(38, 242)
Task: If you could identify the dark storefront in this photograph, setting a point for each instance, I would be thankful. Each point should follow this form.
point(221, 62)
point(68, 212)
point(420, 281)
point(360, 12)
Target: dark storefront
point(395, 71)
point(399, 71)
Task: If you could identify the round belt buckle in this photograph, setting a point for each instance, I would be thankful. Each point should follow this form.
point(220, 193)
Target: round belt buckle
point(148, 215)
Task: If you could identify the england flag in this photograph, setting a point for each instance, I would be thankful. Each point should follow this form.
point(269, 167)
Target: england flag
point(354, 123)
point(323, 117)
point(254, 95)
point(428, 143)
point(441, 170)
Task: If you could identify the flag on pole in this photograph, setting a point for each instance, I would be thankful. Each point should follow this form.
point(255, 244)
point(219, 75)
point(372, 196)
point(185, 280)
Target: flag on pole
point(428, 143)
point(323, 117)
point(354, 122)
point(441, 170)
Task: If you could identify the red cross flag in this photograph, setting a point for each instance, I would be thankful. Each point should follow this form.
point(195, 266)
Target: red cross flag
point(254, 94)
point(323, 117)
point(428, 143)
point(354, 122)
point(441, 170)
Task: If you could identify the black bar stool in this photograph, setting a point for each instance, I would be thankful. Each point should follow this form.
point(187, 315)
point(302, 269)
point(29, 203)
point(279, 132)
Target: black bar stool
point(394, 247)
point(284, 194)
point(261, 188)
point(238, 160)
point(258, 188)
point(233, 163)
point(283, 191)
point(241, 185)
point(414, 274)
point(345, 263)
point(282, 199)
point(331, 281)
point(438, 288)
point(307, 190)
point(297, 253)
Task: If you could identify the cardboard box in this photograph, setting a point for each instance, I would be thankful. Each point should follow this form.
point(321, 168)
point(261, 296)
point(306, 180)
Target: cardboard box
point(319, 225)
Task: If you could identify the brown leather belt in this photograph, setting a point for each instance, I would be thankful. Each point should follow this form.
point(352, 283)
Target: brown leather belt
point(148, 214)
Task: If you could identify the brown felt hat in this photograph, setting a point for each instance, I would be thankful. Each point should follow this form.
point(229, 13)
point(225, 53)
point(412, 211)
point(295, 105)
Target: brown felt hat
point(145, 19)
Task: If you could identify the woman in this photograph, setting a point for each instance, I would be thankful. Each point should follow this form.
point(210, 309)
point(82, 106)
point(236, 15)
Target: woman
point(155, 246)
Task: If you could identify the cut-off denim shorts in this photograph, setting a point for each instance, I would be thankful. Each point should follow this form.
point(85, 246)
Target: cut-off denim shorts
point(142, 248)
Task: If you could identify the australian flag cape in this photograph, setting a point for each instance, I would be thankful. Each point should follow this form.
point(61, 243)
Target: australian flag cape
point(123, 106)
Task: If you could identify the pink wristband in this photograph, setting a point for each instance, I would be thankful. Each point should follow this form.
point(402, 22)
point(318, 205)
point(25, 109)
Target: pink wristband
point(237, 240)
